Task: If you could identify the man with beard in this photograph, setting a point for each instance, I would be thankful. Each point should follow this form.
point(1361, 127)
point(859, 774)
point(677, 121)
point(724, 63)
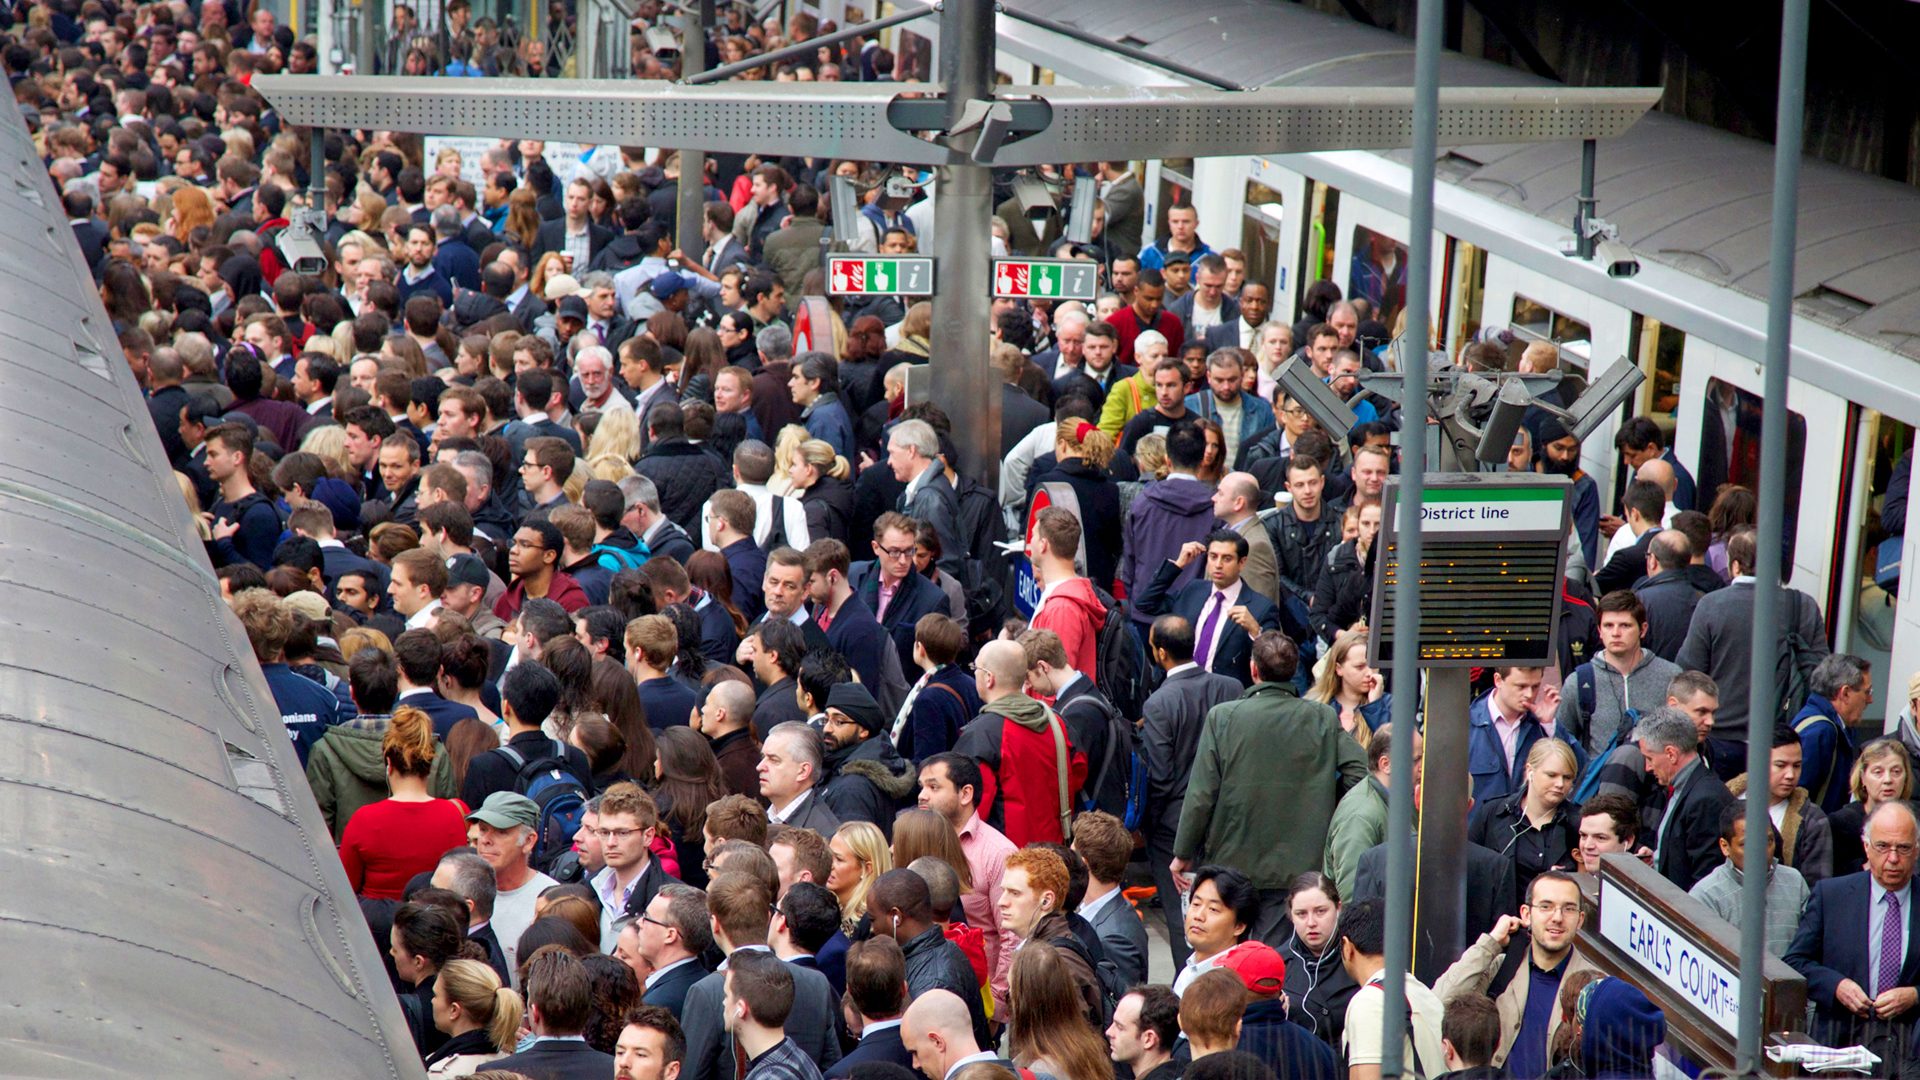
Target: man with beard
point(866, 778)
point(1560, 454)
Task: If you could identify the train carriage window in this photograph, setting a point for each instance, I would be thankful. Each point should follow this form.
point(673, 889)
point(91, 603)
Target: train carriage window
point(1176, 189)
point(1469, 290)
point(1730, 450)
point(1260, 234)
point(1377, 271)
point(1865, 626)
point(1317, 239)
point(1658, 349)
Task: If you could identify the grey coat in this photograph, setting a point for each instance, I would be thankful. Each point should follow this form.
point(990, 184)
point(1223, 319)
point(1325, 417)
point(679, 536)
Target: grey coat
point(1643, 689)
point(1124, 937)
point(1174, 715)
point(811, 1024)
point(1719, 640)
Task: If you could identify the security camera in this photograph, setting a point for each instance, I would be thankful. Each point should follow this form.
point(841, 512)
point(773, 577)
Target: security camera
point(303, 250)
point(1617, 257)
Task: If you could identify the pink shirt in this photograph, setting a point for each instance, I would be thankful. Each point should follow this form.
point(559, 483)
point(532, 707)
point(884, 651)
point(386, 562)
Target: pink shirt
point(986, 849)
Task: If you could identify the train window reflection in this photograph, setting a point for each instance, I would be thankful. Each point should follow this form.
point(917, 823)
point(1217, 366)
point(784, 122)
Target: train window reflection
point(1730, 452)
point(1377, 271)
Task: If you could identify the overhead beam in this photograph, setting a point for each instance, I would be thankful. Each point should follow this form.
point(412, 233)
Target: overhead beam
point(850, 120)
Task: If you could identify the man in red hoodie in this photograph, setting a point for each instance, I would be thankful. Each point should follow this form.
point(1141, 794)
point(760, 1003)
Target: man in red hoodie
point(1068, 605)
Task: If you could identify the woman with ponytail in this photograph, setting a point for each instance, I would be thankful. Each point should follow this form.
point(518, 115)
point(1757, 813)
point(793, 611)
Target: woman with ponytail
point(1083, 452)
point(386, 843)
point(480, 1014)
point(821, 481)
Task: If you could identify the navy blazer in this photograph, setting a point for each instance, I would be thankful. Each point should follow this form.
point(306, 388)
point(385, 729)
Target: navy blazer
point(442, 712)
point(1690, 845)
point(883, 1045)
point(671, 991)
point(917, 596)
point(1831, 946)
point(858, 636)
point(1234, 654)
point(335, 561)
point(556, 1059)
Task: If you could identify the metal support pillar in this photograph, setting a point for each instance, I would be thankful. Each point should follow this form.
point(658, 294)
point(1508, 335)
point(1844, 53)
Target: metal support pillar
point(1584, 242)
point(1789, 122)
point(1429, 28)
point(1440, 917)
point(691, 203)
point(317, 172)
point(367, 23)
point(963, 382)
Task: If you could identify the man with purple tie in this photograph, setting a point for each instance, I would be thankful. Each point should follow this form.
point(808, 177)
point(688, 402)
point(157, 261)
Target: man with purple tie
point(1856, 947)
point(1227, 613)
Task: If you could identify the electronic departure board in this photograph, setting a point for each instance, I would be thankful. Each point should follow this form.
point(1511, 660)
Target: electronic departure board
point(1494, 552)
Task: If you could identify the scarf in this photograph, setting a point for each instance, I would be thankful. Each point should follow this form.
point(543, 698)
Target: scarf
point(1035, 716)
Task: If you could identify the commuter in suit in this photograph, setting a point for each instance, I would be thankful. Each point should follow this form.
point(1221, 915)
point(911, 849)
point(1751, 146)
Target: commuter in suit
point(1858, 947)
point(559, 1001)
point(908, 595)
point(1124, 199)
point(1227, 613)
point(742, 913)
point(1256, 303)
point(1687, 843)
point(87, 232)
point(877, 990)
point(1105, 845)
point(418, 656)
point(1237, 501)
point(563, 234)
point(1168, 737)
point(792, 760)
point(674, 932)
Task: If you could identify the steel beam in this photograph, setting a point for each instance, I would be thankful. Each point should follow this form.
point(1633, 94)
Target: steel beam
point(964, 384)
point(689, 207)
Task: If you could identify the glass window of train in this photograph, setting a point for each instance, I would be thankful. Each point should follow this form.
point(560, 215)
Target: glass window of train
point(1469, 285)
point(1377, 271)
point(1317, 239)
point(1658, 349)
point(1535, 320)
point(1176, 189)
point(1867, 616)
point(1730, 452)
point(1260, 234)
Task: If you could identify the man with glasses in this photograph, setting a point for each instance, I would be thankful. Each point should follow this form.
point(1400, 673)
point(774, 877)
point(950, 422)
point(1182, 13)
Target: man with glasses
point(674, 930)
point(1857, 947)
point(1529, 1013)
point(889, 588)
point(1841, 689)
point(545, 465)
point(535, 562)
point(632, 876)
point(1687, 841)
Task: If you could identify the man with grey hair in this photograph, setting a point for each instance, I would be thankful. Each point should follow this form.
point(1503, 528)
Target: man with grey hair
point(1839, 691)
point(467, 875)
point(593, 387)
point(1069, 340)
point(454, 257)
point(645, 520)
point(791, 761)
point(913, 453)
point(490, 516)
point(605, 322)
point(1687, 843)
point(772, 402)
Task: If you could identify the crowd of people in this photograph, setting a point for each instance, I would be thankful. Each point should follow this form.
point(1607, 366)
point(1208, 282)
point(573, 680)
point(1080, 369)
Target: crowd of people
point(667, 691)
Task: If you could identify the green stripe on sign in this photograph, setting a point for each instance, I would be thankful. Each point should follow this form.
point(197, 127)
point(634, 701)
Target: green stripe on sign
point(1522, 494)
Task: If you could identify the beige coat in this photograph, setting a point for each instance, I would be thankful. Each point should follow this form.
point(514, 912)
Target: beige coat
point(1474, 972)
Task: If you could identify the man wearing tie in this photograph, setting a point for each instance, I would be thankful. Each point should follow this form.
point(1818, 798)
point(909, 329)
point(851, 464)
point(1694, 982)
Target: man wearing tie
point(1856, 945)
point(1227, 612)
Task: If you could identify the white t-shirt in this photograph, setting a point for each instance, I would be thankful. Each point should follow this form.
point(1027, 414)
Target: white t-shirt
point(512, 914)
point(1366, 1017)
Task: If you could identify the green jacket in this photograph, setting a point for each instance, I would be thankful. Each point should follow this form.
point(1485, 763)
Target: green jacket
point(1267, 773)
point(1359, 822)
point(346, 770)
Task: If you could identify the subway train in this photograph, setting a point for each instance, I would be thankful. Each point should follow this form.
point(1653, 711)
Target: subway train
point(1691, 201)
point(174, 905)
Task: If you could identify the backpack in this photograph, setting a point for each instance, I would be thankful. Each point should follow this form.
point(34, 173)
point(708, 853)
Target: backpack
point(1112, 986)
point(1120, 662)
point(562, 800)
point(1585, 694)
point(1793, 671)
point(1123, 754)
point(616, 559)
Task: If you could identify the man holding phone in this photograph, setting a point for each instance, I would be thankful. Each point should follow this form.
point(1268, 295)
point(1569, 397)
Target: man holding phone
point(574, 235)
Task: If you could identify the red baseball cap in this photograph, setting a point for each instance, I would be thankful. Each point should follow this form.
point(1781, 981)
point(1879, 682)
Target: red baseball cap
point(1262, 970)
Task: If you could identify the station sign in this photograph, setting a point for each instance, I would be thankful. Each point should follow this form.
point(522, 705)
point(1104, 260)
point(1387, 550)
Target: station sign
point(1046, 279)
point(879, 275)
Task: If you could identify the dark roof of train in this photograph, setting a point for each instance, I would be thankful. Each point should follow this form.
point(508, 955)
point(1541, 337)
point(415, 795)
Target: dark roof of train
point(1687, 195)
point(174, 906)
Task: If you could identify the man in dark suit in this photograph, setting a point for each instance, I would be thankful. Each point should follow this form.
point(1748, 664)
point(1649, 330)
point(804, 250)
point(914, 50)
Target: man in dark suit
point(1668, 593)
point(418, 653)
point(88, 233)
point(742, 913)
point(1256, 303)
point(1105, 845)
point(673, 933)
point(572, 223)
point(910, 595)
point(1687, 843)
point(877, 989)
point(1019, 415)
point(1227, 613)
point(1168, 738)
point(1859, 947)
point(1644, 505)
point(559, 1002)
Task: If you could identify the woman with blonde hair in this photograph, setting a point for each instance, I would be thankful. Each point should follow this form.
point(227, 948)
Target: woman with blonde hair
point(385, 843)
point(365, 637)
point(1048, 1019)
point(480, 1015)
point(1882, 773)
point(786, 446)
point(1350, 684)
point(616, 435)
point(1082, 453)
point(329, 443)
point(1536, 826)
point(820, 482)
point(523, 224)
point(921, 833)
point(1150, 460)
point(916, 337)
point(860, 854)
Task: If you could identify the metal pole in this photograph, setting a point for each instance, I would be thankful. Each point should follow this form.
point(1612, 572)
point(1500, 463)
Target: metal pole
point(1767, 607)
point(1406, 601)
point(317, 173)
point(1584, 205)
point(691, 203)
point(963, 382)
point(807, 47)
point(363, 38)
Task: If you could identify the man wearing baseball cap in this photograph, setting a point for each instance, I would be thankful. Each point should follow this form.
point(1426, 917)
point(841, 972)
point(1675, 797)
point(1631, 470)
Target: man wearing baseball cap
point(866, 778)
point(466, 595)
point(502, 831)
point(1265, 1032)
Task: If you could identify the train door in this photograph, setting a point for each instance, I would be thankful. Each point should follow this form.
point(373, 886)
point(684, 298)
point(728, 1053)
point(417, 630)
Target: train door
point(1718, 436)
point(1864, 599)
point(1268, 233)
point(1589, 334)
point(1465, 291)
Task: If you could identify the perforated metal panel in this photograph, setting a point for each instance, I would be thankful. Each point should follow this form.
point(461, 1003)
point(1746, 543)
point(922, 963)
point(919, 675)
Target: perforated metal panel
point(827, 120)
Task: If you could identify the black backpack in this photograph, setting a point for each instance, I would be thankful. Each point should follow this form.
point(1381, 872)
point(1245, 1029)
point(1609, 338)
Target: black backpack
point(1121, 760)
point(562, 799)
point(1112, 986)
point(1793, 672)
point(1120, 661)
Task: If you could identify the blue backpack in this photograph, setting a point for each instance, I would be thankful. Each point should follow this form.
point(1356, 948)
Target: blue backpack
point(1586, 693)
point(558, 793)
point(616, 559)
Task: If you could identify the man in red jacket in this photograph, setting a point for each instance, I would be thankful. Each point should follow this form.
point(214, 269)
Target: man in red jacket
point(1068, 605)
point(1029, 766)
point(535, 561)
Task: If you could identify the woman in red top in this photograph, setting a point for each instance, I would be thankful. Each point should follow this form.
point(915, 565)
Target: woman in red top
point(386, 843)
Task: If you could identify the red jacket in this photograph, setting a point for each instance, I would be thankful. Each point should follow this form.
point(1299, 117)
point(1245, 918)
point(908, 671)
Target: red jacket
point(1019, 768)
point(1126, 325)
point(563, 590)
point(1073, 611)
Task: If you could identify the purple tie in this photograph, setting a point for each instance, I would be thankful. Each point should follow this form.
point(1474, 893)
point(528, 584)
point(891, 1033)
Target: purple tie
point(1889, 974)
point(1207, 628)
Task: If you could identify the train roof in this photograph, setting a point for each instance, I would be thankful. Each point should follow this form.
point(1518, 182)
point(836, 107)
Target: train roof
point(1690, 196)
point(174, 905)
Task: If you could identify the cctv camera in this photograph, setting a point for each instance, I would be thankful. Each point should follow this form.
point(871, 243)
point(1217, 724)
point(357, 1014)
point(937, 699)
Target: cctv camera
point(1618, 258)
point(301, 245)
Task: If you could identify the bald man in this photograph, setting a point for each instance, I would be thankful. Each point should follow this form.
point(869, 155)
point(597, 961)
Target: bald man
point(1023, 749)
point(939, 1034)
point(1660, 471)
point(1237, 501)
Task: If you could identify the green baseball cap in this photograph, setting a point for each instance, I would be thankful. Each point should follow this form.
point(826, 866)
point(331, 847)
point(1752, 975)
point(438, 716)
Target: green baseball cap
point(504, 810)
